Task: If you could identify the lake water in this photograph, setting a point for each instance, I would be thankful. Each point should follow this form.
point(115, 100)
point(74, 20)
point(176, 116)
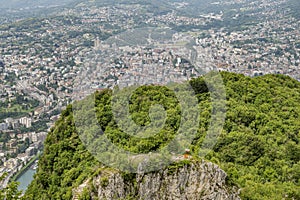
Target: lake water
point(26, 179)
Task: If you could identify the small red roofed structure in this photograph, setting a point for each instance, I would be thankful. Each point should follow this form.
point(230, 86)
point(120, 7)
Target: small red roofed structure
point(187, 154)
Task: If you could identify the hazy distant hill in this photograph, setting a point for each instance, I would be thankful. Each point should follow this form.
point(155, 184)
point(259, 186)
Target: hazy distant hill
point(17, 4)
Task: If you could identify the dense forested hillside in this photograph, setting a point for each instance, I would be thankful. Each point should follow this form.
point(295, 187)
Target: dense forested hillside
point(259, 146)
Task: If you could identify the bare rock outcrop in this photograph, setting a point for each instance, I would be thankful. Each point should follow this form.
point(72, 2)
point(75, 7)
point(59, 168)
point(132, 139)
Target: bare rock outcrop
point(192, 180)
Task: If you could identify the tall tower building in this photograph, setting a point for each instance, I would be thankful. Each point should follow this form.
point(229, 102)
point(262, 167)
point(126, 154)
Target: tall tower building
point(97, 43)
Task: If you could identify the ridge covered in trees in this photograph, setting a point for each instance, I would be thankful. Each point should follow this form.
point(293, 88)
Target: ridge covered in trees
point(258, 148)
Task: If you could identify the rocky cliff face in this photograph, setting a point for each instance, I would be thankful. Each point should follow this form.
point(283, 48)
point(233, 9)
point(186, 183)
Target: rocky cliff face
point(187, 181)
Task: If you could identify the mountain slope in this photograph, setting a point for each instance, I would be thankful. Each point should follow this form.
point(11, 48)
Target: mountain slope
point(258, 148)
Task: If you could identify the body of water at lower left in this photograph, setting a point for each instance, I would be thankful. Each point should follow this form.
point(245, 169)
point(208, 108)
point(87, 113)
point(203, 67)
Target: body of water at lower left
point(26, 179)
